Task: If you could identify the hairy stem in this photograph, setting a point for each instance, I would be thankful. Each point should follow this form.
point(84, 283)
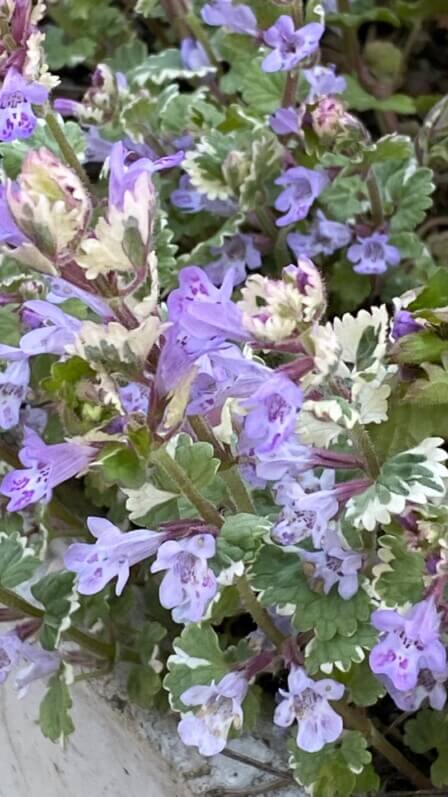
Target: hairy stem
point(376, 201)
point(204, 432)
point(362, 441)
point(290, 90)
point(66, 148)
point(259, 614)
point(187, 488)
point(238, 490)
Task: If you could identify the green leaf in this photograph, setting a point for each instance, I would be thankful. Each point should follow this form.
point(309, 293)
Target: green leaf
point(17, 562)
point(390, 147)
point(279, 576)
point(262, 90)
point(340, 650)
point(429, 731)
point(364, 688)
point(240, 537)
point(57, 594)
point(143, 685)
point(10, 331)
point(54, 715)
point(354, 20)
point(341, 197)
point(197, 461)
point(14, 152)
point(150, 635)
point(360, 100)
point(348, 290)
point(435, 292)
point(121, 465)
point(128, 56)
point(164, 67)
point(198, 659)
point(420, 347)
point(400, 576)
point(265, 165)
point(410, 194)
point(334, 770)
point(415, 9)
point(62, 52)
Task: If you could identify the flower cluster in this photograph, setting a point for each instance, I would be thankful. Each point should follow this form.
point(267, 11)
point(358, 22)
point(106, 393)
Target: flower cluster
point(212, 419)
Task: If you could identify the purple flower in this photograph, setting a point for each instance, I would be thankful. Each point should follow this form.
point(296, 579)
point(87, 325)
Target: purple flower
point(52, 329)
point(335, 565)
point(193, 54)
point(272, 412)
point(10, 650)
point(224, 373)
point(204, 311)
point(430, 686)
point(290, 46)
point(307, 702)
point(289, 457)
point(17, 119)
point(61, 290)
point(238, 18)
point(190, 200)
point(410, 643)
point(325, 237)
point(237, 253)
point(113, 554)
point(305, 514)
point(134, 398)
point(373, 255)
point(220, 709)
point(286, 120)
point(9, 232)
point(46, 466)
point(404, 323)
point(123, 175)
point(303, 186)
point(13, 387)
point(323, 82)
point(41, 664)
point(190, 584)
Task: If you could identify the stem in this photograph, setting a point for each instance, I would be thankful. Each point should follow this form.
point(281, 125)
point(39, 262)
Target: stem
point(297, 12)
point(363, 443)
point(376, 201)
point(259, 614)
point(200, 35)
point(377, 740)
point(351, 43)
point(290, 90)
point(187, 488)
point(238, 490)
point(105, 650)
point(264, 218)
point(66, 148)
point(204, 433)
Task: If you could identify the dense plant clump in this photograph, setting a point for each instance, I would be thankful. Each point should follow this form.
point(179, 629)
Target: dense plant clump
point(223, 384)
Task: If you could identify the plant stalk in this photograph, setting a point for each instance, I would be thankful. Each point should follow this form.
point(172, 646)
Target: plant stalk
point(204, 507)
point(66, 148)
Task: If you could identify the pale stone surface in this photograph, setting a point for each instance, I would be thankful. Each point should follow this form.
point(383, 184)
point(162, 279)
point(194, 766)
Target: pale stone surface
point(118, 751)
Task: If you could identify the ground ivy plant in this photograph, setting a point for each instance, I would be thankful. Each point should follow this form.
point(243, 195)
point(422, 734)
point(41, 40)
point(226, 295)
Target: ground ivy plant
point(224, 372)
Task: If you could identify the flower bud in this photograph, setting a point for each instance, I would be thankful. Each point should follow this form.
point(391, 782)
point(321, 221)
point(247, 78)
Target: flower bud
point(49, 204)
point(384, 60)
point(102, 100)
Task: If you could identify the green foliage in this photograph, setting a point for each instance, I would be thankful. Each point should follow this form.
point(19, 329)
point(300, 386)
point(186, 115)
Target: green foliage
point(17, 561)
point(338, 770)
point(10, 331)
point(143, 685)
point(54, 715)
point(364, 688)
point(57, 594)
point(401, 576)
point(241, 537)
point(427, 732)
point(197, 460)
point(14, 153)
point(198, 659)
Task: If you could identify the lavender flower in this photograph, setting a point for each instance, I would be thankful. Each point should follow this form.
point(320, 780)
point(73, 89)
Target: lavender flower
point(17, 119)
point(190, 584)
point(334, 565)
point(307, 702)
point(410, 643)
point(10, 650)
point(46, 466)
point(305, 514)
point(373, 255)
point(113, 554)
point(220, 709)
point(204, 311)
point(13, 387)
point(325, 237)
point(237, 253)
point(286, 121)
point(123, 175)
point(323, 82)
point(238, 18)
point(430, 687)
point(303, 186)
point(134, 398)
point(61, 290)
point(190, 200)
point(272, 412)
point(52, 329)
point(9, 231)
point(41, 664)
point(290, 46)
point(404, 323)
point(193, 54)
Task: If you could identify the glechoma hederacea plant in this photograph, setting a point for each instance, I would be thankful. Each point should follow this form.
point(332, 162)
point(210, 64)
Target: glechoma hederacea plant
point(224, 385)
